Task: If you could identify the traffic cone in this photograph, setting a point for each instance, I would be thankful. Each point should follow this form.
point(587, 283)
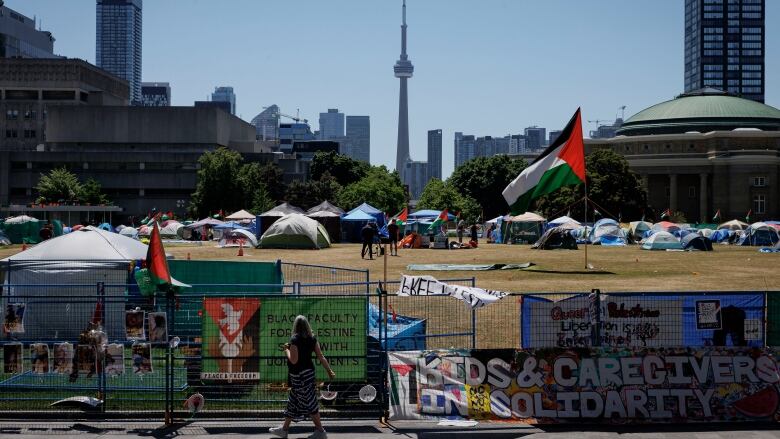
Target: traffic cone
point(241, 248)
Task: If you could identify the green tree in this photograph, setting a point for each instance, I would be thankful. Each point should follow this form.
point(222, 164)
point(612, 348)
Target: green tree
point(92, 193)
point(302, 194)
point(273, 177)
point(484, 178)
point(439, 195)
point(379, 188)
point(611, 185)
point(217, 187)
point(252, 182)
point(59, 185)
point(260, 200)
point(344, 169)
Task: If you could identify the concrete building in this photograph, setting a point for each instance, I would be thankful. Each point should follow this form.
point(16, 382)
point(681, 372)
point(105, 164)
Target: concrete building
point(434, 154)
point(417, 173)
point(465, 148)
point(20, 39)
point(403, 70)
point(225, 94)
point(331, 124)
point(607, 131)
point(290, 133)
point(725, 46)
point(119, 26)
point(553, 135)
point(267, 123)
point(705, 151)
point(358, 138)
point(517, 144)
point(29, 87)
point(222, 105)
point(155, 94)
point(535, 137)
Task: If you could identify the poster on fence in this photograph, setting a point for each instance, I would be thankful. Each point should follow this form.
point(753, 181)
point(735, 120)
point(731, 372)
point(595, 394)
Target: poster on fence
point(339, 323)
point(558, 385)
point(231, 328)
point(63, 358)
point(39, 358)
point(429, 286)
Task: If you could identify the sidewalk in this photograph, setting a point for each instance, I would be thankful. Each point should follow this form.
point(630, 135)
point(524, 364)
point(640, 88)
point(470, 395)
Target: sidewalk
point(341, 429)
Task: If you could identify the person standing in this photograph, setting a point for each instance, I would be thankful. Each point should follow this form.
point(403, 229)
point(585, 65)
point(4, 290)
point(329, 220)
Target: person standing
point(302, 399)
point(393, 231)
point(474, 233)
point(367, 235)
point(461, 227)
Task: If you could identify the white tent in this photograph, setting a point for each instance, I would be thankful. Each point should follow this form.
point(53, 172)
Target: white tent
point(241, 215)
point(234, 237)
point(528, 217)
point(130, 232)
point(571, 223)
point(662, 241)
point(734, 225)
point(85, 244)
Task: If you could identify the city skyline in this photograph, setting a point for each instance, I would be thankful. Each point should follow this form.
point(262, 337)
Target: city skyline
point(453, 89)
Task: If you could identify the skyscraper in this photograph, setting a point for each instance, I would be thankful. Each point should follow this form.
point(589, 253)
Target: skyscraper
point(267, 123)
point(434, 154)
point(359, 138)
point(118, 41)
point(403, 71)
point(225, 94)
point(724, 46)
point(535, 137)
point(331, 124)
point(417, 177)
point(155, 94)
point(465, 148)
point(20, 39)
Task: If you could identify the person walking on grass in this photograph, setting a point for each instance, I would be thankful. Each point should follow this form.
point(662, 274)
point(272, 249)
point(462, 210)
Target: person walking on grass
point(302, 399)
point(367, 235)
point(392, 231)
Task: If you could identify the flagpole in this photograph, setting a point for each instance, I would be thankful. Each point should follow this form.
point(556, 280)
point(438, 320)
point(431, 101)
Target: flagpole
point(587, 234)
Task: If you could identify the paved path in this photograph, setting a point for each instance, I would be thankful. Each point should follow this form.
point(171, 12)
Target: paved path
point(371, 429)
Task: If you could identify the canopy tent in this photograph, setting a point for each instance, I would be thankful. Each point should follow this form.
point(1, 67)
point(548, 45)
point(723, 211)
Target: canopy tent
point(205, 222)
point(662, 240)
point(77, 261)
point(607, 231)
point(734, 225)
point(295, 231)
point(696, 242)
point(172, 230)
point(429, 214)
point(564, 221)
point(237, 238)
point(329, 216)
point(241, 215)
point(230, 225)
point(556, 238)
point(522, 229)
point(761, 234)
point(352, 223)
point(267, 218)
point(638, 228)
point(373, 211)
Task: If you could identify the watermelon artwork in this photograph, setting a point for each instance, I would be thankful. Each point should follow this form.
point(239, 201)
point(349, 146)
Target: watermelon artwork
point(761, 404)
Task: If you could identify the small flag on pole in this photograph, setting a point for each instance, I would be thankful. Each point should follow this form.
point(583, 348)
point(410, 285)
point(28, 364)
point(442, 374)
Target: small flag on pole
point(666, 213)
point(747, 216)
point(716, 218)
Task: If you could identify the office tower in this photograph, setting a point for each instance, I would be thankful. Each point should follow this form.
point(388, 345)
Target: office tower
point(225, 94)
point(20, 39)
point(553, 135)
point(516, 144)
point(535, 137)
point(465, 148)
point(267, 123)
point(417, 177)
point(724, 46)
point(155, 94)
point(359, 138)
point(331, 124)
point(118, 42)
point(403, 71)
point(434, 154)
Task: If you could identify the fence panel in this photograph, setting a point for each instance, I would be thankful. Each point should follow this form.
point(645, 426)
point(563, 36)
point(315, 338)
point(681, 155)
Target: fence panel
point(326, 280)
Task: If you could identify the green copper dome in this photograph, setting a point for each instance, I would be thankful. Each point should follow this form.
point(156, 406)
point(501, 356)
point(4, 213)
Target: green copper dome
point(703, 111)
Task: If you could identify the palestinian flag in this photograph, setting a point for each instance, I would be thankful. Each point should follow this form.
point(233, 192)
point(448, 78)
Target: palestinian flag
point(402, 217)
point(441, 219)
point(561, 164)
point(155, 259)
point(716, 218)
point(747, 216)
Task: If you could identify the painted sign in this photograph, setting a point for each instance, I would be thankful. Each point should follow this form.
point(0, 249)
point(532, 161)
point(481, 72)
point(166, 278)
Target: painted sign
point(428, 286)
point(598, 384)
point(230, 339)
point(338, 323)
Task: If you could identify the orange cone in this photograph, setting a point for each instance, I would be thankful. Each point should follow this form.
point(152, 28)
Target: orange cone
point(241, 248)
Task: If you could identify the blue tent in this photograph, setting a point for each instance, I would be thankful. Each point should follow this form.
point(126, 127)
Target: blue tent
point(429, 214)
point(403, 333)
point(231, 225)
point(106, 226)
point(351, 224)
point(378, 215)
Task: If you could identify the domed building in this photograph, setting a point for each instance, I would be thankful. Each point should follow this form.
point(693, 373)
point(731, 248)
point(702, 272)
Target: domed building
point(705, 151)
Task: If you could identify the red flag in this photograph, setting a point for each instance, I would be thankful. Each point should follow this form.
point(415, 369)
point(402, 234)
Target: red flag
point(170, 214)
point(155, 259)
point(404, 214)
point(97, 316)
point(444, 215)
point(457, 215)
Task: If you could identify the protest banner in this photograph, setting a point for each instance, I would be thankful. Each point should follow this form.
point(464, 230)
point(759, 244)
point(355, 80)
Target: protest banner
point(559, 385)
point(231, 328)
point(429, 286)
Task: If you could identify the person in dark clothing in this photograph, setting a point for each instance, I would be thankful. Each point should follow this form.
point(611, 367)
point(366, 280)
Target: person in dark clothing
point(474, 233)
point(393, 230)
point(302, 399)
point(367, 234)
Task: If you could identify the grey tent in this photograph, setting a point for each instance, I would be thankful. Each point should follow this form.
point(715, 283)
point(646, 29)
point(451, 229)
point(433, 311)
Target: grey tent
point(556, 238)
point(329, 216)
point(269, 217)
point(694, 241)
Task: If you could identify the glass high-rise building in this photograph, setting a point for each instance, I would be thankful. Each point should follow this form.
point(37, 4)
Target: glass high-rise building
point(155, 94)
point(724, 46)
point(331, 124)
point(434, 154)
point(267, 123)
point(118, 41)
point(465, 148)
point(225, 94)
point(20, 39)
point(358, 139)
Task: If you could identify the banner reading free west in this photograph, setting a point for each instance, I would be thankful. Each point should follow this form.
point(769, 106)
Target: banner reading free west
point(338, 323)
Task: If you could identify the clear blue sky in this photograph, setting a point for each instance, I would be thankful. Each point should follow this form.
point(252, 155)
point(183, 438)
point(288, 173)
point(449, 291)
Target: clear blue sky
point(484, 67)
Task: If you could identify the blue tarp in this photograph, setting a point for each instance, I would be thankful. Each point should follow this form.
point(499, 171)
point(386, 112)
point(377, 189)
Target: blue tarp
point(231, 225)
point(720, 235)
point(403, 333)
point(429, 214)
point(371, 210)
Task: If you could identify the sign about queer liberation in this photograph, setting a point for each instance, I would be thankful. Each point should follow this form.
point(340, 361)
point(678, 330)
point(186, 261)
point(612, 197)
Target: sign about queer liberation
point(429, 286)
point(580, 384)
point(230, 339)
point(338, 323)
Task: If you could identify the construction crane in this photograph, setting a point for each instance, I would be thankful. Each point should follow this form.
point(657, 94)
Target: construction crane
point(295, 118)
point(598, 121)
point(622, 109)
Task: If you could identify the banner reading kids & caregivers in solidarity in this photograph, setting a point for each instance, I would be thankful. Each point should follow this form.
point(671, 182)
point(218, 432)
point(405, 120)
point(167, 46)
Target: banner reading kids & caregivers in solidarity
point(586, 384)
point(231, 329)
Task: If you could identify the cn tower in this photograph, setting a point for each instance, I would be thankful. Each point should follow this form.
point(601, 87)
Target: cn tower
point(403, 71)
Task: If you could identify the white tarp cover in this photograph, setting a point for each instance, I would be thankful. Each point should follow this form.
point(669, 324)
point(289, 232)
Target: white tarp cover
point(20, 219)
point(86, 244)
point(429, 286)
point(528, 217)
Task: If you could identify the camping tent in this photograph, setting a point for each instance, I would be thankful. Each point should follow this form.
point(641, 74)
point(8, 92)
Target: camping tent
point(607, 231)
point(171, 230)
point(638, 228)
point(130, 232)
point(665, 226)
point(329, 216)
point(662, 241)
point(734, 225)
point(524, 228)
point(761, 234)
point(269, 217)
point(721, 235)
point(564, 221)
point(242, 216)
point(295, 231)
point(373, 211)
point(352, 223)
point(60, 310)
point(696, 242)
point(234, 238)
point(556, 238)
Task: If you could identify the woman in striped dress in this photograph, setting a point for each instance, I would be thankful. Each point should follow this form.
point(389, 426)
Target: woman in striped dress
point(302, 399)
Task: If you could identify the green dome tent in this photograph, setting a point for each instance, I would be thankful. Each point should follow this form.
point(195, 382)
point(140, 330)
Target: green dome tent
point(295, 231)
